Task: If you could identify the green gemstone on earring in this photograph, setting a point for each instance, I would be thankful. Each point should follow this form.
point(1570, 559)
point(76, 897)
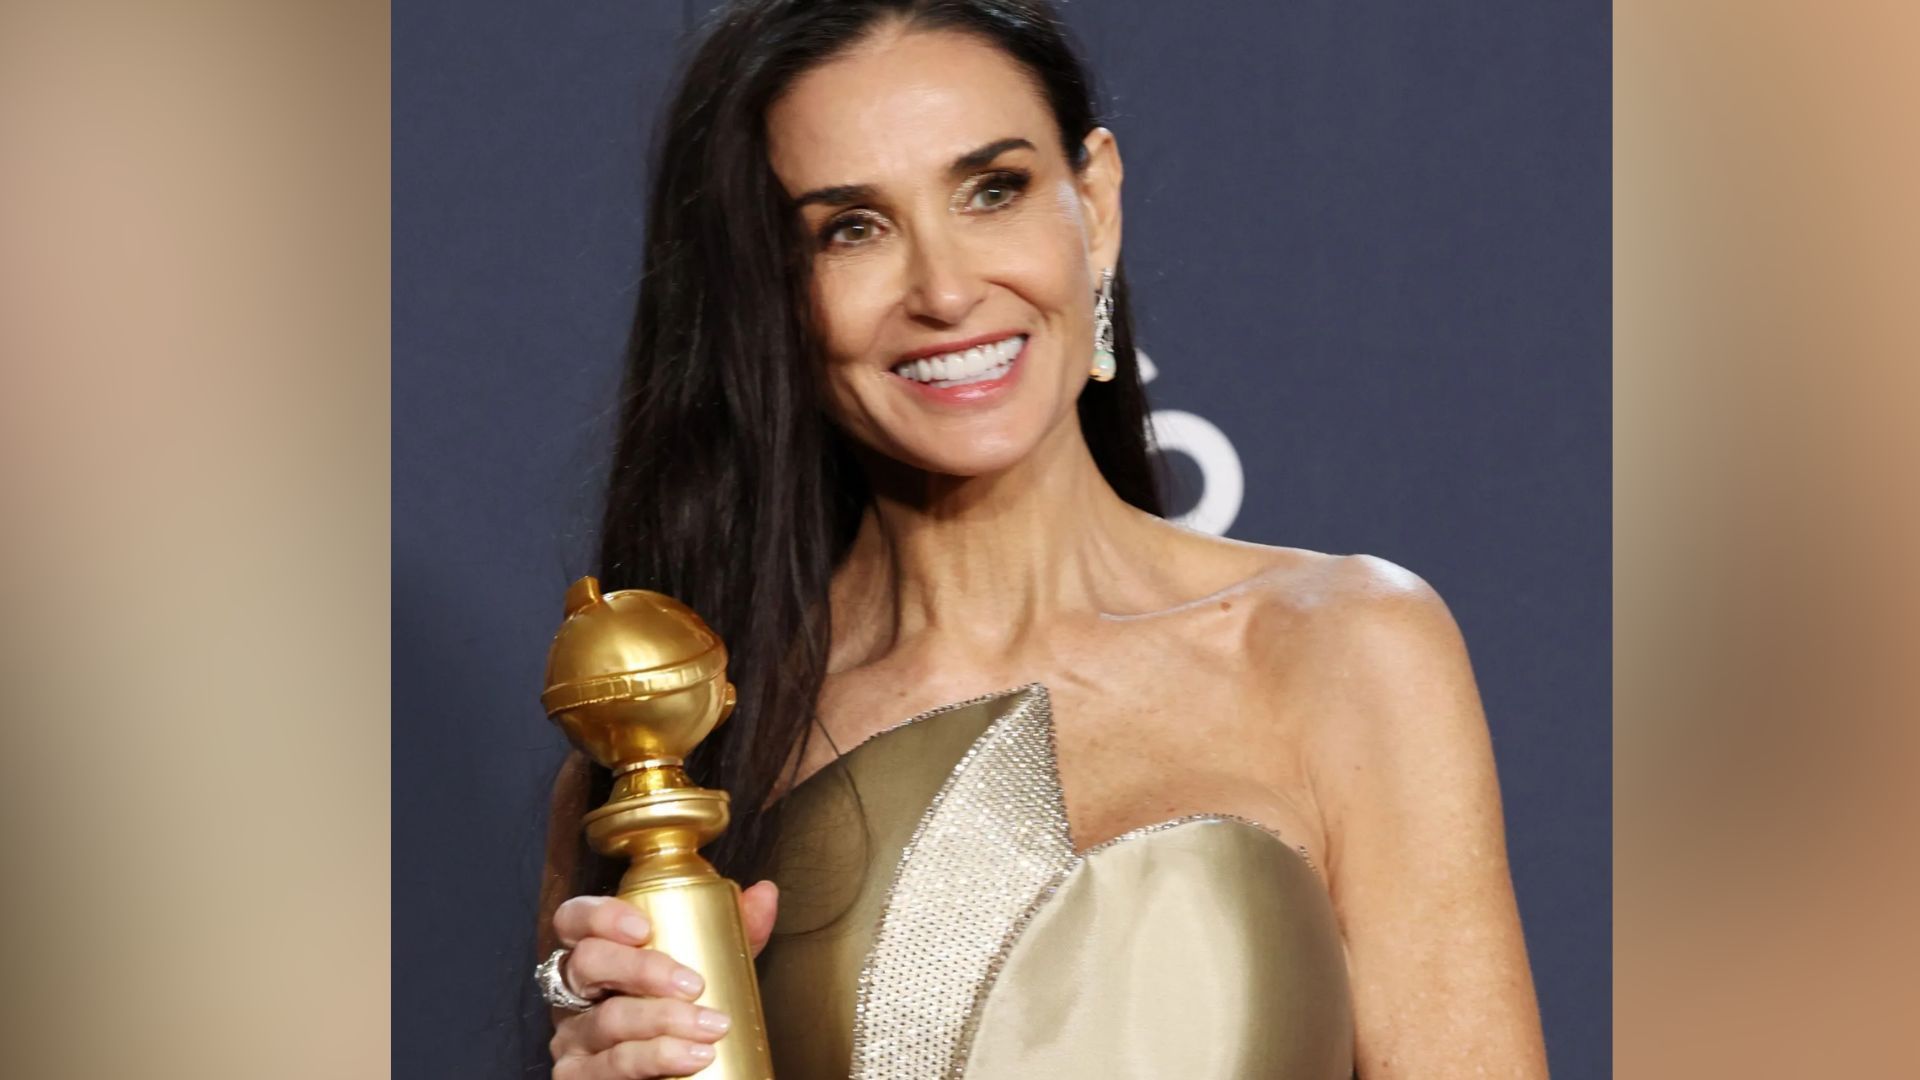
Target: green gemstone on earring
point(1104, 366)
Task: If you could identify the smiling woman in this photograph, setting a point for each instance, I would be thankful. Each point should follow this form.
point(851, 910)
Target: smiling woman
point(1041, 784)
point(928, 258)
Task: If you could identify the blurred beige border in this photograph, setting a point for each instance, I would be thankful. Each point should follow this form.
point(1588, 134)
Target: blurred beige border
point(1766, 363)
point(194, 497)
point(193, 491)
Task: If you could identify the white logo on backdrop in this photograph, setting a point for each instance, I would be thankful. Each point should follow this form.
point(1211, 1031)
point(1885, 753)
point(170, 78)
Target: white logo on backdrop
point(1222, 483)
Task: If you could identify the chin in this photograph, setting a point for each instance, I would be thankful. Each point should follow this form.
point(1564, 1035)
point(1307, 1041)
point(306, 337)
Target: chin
point(976, 462)
point(980, 457)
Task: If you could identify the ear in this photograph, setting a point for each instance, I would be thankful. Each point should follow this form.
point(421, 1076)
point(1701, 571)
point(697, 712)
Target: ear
point(1100, 198)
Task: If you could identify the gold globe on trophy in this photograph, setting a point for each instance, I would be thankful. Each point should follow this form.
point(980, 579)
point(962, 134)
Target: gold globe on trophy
point(636, 680)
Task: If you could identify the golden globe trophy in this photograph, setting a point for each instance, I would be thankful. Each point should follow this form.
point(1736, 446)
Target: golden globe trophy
point(636, 680)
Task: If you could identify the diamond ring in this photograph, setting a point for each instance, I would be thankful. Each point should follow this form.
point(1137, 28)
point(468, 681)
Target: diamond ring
point(551, 977)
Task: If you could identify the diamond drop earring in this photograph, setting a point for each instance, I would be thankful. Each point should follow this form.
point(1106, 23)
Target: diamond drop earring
point(1104, 365)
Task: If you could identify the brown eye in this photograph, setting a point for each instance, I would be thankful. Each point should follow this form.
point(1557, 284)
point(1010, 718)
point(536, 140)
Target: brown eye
point(995, 194)
point(841, 232)
point(998, 190)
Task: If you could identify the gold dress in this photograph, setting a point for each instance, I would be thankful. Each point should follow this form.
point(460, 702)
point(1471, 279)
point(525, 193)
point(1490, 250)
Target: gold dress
point(935, 921)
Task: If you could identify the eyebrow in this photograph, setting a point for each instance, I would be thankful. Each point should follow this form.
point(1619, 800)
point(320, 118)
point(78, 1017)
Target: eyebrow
point(847, 194)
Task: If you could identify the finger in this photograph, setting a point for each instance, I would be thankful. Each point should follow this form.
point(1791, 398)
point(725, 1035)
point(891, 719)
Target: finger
point(758, 907)
point(628, 1019)
point(652, 1057)
point(598, 966)
point(600, 916)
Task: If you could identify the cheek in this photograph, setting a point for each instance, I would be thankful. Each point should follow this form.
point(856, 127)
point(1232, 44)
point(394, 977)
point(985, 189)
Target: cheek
point(1053, 254)
point(848, 324)
point(848, 308)
point(846, 334)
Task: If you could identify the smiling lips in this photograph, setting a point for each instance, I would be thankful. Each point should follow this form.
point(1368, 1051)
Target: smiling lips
point(979, 364)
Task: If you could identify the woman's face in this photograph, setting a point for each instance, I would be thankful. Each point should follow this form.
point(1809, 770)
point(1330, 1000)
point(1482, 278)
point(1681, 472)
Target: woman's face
point(944, 221)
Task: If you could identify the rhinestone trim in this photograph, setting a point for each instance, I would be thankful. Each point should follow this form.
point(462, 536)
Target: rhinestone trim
point(958, 1068)
point(1190, 819)
point(1000, 817)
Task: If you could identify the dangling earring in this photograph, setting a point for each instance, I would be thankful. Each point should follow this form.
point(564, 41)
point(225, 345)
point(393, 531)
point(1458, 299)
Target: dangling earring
point(1104, 365)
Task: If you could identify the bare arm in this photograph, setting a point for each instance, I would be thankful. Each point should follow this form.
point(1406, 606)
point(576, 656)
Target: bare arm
point(1404, 771)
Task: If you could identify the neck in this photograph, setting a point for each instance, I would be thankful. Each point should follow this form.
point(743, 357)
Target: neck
point(981, 565)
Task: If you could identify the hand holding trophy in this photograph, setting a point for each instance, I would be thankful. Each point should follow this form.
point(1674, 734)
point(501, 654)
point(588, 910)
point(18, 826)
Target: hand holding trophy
point(636, 680)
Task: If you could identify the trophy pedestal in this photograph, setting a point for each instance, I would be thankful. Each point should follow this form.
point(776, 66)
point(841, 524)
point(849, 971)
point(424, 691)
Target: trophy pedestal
point(636, 680)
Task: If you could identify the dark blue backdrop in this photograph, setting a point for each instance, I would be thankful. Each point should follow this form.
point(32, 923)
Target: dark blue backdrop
point(1370, 252)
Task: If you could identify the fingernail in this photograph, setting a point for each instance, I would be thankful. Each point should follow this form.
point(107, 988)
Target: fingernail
point(701, 1052)
point(687, 981)
point(633, 926)
point(713, 1020)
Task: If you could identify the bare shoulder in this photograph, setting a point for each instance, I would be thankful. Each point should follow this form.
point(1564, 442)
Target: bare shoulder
point(1354, 617)
point(1354, 644)
point(1368, 653)
point(1306, 604)
point(1369, 657)
point(1400, 765)
point(1341, 596)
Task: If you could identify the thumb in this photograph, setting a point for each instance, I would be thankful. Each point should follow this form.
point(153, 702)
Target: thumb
point(759, 904)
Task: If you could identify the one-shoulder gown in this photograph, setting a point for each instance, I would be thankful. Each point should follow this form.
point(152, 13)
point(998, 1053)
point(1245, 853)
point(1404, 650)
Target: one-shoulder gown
point(935, 921)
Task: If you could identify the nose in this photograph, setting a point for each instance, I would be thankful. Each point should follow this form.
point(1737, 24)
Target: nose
point(942, 286)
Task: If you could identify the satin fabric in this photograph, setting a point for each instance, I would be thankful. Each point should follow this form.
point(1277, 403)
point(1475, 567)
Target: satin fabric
point(1203, 947)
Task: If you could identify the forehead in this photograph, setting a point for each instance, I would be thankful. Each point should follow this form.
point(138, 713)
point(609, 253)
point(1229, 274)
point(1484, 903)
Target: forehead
point(901, 104)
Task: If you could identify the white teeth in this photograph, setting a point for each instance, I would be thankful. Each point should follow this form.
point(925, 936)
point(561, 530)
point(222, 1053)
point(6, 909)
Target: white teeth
point(991, 373)
point(978, 364)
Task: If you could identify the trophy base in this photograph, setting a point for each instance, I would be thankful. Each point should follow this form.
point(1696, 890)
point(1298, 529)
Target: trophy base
point(695, 913)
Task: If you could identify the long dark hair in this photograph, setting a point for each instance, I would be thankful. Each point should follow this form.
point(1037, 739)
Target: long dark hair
point(729, 487)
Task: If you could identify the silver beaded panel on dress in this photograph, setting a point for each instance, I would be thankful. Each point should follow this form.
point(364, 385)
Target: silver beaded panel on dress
point(999, 818)
point(991, 849)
